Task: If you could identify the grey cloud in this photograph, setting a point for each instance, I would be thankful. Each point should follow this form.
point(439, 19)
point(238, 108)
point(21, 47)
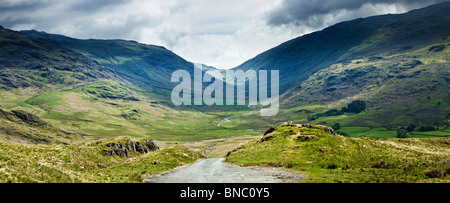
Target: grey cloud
point(302, 11)
point(94, 5)
point(30, 11)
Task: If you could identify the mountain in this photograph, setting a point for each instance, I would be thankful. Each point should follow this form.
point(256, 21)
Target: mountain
point(29, 62)
point(397, 64)
point(149, 67)
point(299, 58)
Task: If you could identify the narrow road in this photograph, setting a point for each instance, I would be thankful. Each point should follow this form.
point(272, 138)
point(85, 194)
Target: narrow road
point(228, 119)
point(215, 171)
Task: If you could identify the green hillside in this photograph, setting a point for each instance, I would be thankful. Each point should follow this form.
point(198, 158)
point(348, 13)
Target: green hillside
point(147, 66)
point(329, 158)
point(398, 89)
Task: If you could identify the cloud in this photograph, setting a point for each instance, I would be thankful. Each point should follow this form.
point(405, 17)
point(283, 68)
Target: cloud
point(313, 12)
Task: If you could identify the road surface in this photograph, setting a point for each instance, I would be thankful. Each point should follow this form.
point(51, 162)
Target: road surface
point(215, 171)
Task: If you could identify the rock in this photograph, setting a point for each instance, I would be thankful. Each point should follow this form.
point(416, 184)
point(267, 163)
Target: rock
point(101, 166)
point(269, 131)
point(151, 145)
point(288, 165)
point(26, 117)
point(265, 138)
point(437, 48)
point(49, 72)
point(307, 137)
point(325, 128)
point(29, 118)
point(124, 149)
point(117, 149)
point(141, 148)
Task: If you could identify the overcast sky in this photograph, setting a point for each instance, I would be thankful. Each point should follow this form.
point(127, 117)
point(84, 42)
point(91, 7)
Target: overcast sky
point(220, 33)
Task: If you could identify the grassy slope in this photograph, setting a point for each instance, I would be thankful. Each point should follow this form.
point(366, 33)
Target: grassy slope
point(79, 164)
point(334, 158)
point(77, 111)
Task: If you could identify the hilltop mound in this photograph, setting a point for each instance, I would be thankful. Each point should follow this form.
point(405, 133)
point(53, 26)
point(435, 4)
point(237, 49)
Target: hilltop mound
point(328, 157)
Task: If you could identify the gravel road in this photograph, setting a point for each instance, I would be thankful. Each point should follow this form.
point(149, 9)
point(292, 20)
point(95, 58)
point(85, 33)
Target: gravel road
point(215, 171)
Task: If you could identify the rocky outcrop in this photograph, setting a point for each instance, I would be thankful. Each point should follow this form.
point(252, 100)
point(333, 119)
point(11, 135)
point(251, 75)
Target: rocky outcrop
point(29, 118)
point(20, 115)
point(124, 149)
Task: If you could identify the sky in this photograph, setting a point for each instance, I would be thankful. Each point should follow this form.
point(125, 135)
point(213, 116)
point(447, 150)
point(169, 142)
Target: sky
point(219, 33)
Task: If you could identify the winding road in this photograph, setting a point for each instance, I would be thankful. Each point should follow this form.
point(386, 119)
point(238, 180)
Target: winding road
point(228, 119)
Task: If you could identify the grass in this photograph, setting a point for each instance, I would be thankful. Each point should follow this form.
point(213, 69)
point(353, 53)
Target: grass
point(338, 159)
point(369, 132)
point(80, 164)
point(102, 110)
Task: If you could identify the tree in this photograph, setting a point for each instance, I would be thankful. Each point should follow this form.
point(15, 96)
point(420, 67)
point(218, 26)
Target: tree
point(357, 106)
point(402, 133)
point(343, 133)
point(426, 128)
point(336, 126)
point(411, 127)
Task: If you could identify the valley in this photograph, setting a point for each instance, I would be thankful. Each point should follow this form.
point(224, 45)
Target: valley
point(380, 83)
